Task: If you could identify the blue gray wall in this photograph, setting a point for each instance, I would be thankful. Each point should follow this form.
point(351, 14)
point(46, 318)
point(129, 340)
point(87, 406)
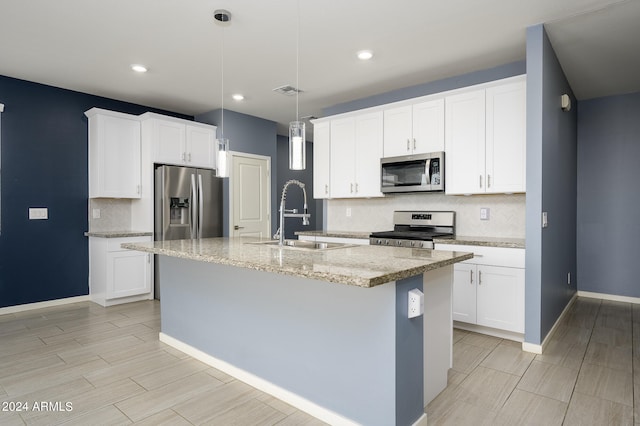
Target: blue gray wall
point(295, 197)
point(251, 135)
point(551, 187)
point(44, 164)
point(608, 195)
point(476, 77)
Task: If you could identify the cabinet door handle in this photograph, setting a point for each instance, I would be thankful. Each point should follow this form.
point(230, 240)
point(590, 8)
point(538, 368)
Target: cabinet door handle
point(471, 271)
point(414, 143)
point(356, 187)
point(488, 181)
point(184, 156)
point(138, 189)
point(148, 258)
point(479, 277)
point(408, 144)
point(351, 188)
point(189, 157)
point(326, 188)
point(480, 181)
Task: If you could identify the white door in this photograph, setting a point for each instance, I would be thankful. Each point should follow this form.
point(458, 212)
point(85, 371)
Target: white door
point(249, 190)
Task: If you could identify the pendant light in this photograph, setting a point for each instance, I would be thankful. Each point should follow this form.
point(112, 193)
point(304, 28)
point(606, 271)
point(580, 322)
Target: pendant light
point(297, 134)
point(222, 165)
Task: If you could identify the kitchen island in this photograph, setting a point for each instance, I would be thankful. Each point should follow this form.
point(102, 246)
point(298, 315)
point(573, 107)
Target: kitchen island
point(324, 330)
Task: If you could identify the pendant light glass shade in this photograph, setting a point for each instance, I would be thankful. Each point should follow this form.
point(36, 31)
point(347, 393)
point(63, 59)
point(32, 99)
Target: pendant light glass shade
point(222, 161)
point(297, 146)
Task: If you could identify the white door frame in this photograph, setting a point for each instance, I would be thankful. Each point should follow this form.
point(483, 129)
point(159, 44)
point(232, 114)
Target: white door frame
point(233, 154)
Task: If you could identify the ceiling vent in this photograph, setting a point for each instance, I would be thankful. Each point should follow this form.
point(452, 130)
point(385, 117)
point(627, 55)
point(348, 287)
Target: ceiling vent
point(287, 90)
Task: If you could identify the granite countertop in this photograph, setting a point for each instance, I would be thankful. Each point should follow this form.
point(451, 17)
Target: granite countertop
point(483, 241)
point(117, 234)
point(335, 234)
point(364, 266)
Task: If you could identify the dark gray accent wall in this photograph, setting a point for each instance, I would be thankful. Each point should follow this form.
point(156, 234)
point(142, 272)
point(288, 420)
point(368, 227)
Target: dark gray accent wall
point(469, 79)
point(44, 164)
point(608, 196)
point(295, 198)
point(551, 188)
point(251, 135)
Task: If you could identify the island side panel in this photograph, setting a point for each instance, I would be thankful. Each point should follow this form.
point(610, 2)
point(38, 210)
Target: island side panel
point(409, 355)
point(332, 344)
point(438, 330)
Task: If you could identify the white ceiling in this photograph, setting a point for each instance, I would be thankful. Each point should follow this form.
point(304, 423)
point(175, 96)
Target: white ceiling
point(88, 46)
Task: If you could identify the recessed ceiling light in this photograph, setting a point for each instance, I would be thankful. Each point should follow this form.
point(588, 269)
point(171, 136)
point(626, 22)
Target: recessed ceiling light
point(138, 68)
point(237, 97)
point(365, 55)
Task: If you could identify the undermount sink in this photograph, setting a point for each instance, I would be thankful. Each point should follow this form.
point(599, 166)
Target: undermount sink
point(303, 245)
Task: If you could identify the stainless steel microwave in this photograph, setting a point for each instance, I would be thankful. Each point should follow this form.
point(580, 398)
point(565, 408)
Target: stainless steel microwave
point(413, 173)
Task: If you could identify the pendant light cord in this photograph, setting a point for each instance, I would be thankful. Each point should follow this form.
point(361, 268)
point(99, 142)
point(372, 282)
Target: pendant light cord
point(297, 57)
point(222, 93)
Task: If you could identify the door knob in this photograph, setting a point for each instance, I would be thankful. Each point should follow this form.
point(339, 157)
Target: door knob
point(236, 227)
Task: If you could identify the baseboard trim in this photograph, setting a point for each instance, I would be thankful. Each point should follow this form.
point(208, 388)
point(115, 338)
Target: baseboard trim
point(45, 304)
point(612, 297)
point(289, 397)
point(502, 334)
point(538, 349)
point(422, 421)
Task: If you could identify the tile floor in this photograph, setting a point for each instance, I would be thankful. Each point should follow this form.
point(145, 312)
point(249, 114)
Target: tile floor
point(109, 364)
point(586, 375)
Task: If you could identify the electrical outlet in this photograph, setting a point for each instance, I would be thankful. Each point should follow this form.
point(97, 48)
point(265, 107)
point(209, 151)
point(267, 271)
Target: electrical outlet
point(95, 213)
point(415, 303)
point(484, 213)
point(38, 213)
point(348, 211)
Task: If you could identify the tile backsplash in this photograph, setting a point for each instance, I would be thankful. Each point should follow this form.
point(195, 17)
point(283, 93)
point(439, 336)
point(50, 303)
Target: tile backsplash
point(506, 213)
point(115, 214)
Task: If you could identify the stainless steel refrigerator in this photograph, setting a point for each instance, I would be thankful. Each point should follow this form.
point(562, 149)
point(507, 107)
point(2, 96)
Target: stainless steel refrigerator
point(188, 205)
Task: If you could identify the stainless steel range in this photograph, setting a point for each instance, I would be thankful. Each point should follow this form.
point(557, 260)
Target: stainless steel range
point(416, 229)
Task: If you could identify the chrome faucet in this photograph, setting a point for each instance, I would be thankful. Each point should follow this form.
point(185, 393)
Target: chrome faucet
point(291, 213)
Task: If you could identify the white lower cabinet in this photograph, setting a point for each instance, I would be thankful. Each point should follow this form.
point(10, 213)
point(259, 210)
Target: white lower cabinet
point(117, 275)
point(488, 290)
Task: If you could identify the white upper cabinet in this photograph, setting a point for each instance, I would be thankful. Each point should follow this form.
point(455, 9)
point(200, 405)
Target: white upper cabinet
point(414, 129)
point(114, 154)
point(183, 143)
point(485, 139)
point(321, 159)
point(355, 152)
point(506, 138)
point(465, 143)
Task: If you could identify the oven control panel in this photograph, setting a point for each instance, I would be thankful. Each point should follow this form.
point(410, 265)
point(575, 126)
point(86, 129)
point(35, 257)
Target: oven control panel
point(400, 243)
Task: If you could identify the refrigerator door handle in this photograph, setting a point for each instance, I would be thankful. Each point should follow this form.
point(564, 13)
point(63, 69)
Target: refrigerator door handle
point(194, 207)
point(200, 205)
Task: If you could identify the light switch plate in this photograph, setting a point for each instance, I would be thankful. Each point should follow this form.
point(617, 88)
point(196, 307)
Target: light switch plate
point(545, 221)
point(36, 213)
point(348, 211)
point(95, 213)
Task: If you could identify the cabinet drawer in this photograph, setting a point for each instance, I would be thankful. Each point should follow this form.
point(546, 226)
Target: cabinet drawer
point(113, 244)
point(494, 256)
